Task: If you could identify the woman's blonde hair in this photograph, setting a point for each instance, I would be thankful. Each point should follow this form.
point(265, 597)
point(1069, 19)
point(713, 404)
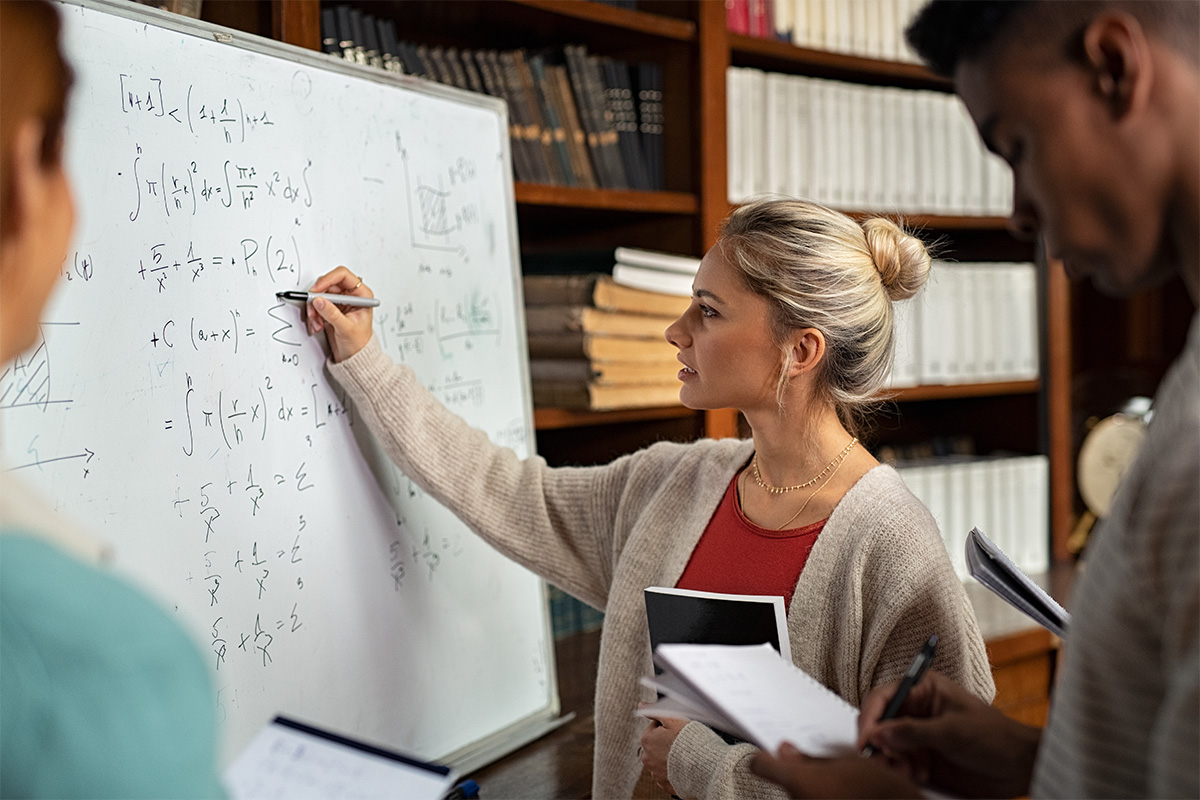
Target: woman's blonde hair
point(820, 269)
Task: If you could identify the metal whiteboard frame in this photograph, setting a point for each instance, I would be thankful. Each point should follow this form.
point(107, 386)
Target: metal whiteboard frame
point(499, 743)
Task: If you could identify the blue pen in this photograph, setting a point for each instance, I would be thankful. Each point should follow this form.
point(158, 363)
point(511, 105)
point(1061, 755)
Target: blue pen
point(921, 663)
point(464, 791)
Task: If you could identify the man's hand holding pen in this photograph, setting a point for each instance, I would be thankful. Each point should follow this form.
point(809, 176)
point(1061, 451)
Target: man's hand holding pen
point(942, 737)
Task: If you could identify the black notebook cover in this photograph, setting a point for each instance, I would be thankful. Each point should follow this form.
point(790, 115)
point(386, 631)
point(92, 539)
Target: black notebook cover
point(682, 616)
point(679, 616)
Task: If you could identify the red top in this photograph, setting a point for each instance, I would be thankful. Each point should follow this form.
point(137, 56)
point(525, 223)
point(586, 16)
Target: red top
point(736, 556)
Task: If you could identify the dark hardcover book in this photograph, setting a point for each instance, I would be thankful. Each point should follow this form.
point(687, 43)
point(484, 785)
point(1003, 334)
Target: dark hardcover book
point(429, 68)
point(474, 79)
point(494, 82)
point(357, 37)
point(374, 51)
point(650, 120)
point(329, 34)
point(410, 60)
point(552, 120)
point(543, 135)
point(618, 98)
point(576, 137)
point(458, 73)
point(345, 31)
point(388, 46)
point(576, 56)
point(608, 130)
point(520, 105)
point(441, 68)
point(683, 616)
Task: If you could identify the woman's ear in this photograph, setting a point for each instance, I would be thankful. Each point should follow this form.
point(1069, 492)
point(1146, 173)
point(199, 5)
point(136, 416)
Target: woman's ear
point(808, 350)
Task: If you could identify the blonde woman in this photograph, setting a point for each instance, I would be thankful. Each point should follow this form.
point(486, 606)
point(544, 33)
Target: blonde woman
point(791, 324)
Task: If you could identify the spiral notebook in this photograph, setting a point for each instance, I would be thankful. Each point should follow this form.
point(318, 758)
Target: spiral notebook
point(751, 692)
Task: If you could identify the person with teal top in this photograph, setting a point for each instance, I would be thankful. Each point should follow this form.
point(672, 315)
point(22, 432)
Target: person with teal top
point(102, 693)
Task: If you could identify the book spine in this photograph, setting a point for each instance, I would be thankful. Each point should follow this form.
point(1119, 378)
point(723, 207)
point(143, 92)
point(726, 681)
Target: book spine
point(554, 131)
point(575, 56)
point(608, 130)
point(576, 136)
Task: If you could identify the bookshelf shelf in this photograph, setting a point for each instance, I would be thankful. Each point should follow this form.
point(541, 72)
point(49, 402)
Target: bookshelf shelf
point(652, 24)
point(545, 419)
point(534, 194)
point(777, 56)
point(937, 222)
point(962, 391)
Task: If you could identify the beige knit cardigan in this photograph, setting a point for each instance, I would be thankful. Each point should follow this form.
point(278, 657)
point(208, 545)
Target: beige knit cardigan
point(877, 582)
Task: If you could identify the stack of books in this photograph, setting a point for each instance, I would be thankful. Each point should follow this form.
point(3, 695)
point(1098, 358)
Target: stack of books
point(575, 119)
point(598, 344)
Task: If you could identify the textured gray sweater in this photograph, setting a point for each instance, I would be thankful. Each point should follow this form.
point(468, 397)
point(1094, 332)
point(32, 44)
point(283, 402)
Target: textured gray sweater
point(877, 582)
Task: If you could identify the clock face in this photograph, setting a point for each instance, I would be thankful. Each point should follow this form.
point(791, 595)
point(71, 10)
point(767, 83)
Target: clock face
point(1107, 453)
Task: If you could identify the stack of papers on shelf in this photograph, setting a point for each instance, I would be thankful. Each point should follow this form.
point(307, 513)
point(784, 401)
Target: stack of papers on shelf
point(751, 692)
point(988, 565)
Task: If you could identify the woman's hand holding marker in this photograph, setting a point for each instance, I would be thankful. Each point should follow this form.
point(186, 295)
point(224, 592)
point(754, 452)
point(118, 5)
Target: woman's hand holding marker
point(348, 329)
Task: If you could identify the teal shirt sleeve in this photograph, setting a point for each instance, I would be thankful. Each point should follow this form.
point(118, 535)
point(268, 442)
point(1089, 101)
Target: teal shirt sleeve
point(102, 694)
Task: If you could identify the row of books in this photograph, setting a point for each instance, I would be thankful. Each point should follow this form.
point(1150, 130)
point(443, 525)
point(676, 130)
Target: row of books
point(1006, 497)
point(868, 28)
point(575, 119)
point(858, 147)
point(970, 323)
point(596, 342)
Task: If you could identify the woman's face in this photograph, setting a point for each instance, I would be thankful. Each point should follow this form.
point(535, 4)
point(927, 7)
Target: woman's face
point(730, 359)
point(38, 212)
point(35, 250)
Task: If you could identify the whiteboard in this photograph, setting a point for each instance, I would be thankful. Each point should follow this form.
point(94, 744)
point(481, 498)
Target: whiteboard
point(180, 412)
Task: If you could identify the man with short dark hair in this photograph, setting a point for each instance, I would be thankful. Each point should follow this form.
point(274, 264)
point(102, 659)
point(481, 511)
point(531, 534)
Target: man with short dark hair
point(1096, 106)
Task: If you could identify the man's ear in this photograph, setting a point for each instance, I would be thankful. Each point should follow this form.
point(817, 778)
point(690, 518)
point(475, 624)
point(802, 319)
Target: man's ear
point(808, 350)
point(1117, 53)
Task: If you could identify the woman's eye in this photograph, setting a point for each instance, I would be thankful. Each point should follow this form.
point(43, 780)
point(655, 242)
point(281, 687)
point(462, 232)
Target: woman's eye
point(706, 311)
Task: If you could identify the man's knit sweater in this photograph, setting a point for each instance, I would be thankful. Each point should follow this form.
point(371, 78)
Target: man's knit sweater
point(877, 583)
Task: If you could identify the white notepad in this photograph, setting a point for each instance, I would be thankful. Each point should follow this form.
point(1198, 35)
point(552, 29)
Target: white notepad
point(752, 692)
point(291, 760)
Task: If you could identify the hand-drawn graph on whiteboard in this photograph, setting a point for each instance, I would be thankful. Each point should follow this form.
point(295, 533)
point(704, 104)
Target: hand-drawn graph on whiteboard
point(177, 409)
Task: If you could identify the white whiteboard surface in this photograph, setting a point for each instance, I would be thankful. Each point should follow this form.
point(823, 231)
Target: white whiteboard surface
point(177, 410)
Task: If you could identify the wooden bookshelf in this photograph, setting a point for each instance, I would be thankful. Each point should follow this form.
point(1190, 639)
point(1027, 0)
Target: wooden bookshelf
point(689, 39)
point(777, 56)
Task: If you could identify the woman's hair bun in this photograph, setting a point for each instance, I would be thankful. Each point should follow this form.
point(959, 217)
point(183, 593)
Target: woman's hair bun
point(900, 257)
